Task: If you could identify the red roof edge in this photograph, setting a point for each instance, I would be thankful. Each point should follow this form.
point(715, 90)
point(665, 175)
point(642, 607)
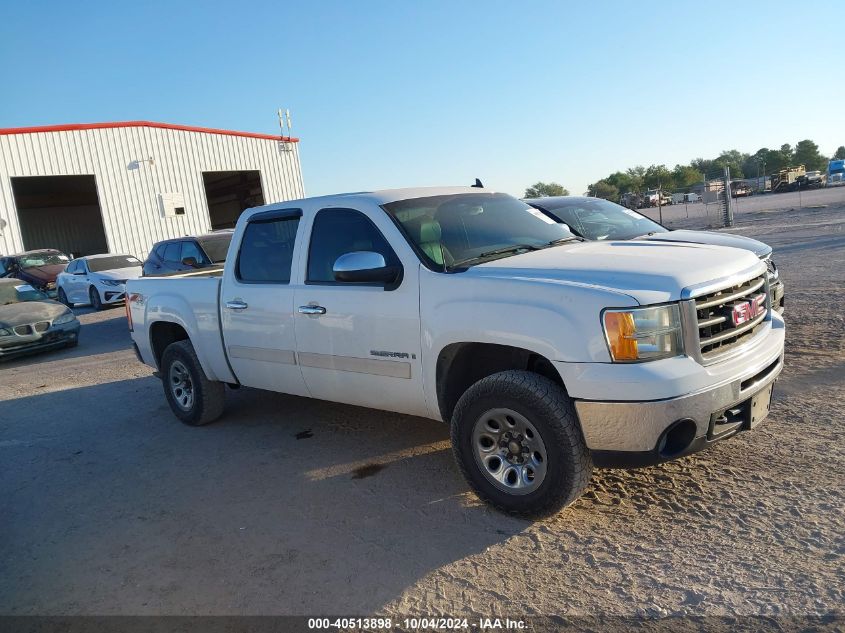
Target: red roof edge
point(164, 126)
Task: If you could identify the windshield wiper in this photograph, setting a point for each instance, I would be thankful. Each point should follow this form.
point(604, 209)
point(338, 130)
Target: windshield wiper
point(505, 250)
point(564, 240)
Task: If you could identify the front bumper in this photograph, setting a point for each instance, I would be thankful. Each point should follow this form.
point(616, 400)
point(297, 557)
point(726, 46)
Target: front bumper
point(112, 295)
point(651, 399)
point(56, 336)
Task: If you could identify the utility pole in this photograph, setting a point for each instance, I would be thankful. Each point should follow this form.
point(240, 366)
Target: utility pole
point(660, 202)
point(729, 211)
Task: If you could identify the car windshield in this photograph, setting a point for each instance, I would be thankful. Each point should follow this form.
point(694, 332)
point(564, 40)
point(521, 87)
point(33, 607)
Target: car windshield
point(42, 258)
point(598, 219)
point(16, 293)
point(216, 247)
point(99, 264)
point(457, 230)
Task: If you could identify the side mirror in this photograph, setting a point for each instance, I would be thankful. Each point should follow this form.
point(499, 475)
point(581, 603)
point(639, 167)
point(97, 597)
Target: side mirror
point(189, 261)
point(365, 266)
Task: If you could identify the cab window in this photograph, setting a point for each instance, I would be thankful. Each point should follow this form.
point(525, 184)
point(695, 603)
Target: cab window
point(191, 249)
point(266, 251)
point(340, 231)
point(172, 252)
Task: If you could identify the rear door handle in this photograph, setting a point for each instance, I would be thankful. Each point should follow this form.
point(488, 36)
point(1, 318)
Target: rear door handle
point(312, 310)
point(237, 304)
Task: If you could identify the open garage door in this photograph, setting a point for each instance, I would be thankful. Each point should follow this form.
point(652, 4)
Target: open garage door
point(229, 193)
point(61, 212)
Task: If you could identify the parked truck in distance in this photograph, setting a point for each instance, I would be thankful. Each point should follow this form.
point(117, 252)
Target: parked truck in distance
point(788, 179)
point(835, 173)
point(544, 353)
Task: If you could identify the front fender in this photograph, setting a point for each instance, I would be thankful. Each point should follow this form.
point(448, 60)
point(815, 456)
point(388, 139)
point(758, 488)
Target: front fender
point(558, 320)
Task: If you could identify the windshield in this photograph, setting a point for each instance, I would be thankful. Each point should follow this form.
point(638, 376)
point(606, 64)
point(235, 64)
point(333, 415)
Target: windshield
point(216, 247)
point(463, 229)
point(598, 219)
point(16, 293)
point(100, 264)
point(42, 258)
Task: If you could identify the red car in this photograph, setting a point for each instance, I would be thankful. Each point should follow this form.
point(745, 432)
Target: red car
point(38, 268)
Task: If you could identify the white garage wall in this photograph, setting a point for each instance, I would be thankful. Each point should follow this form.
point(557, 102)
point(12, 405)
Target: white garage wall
point(128, 185)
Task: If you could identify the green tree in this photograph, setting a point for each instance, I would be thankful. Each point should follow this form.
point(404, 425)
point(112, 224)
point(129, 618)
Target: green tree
point(604, 189)
point(710, 168)
point(840, 153)
point(685, 176)
point(636, 178)
point(733, 160)
point(807, 154)
point(542, 189)
point(658, 176)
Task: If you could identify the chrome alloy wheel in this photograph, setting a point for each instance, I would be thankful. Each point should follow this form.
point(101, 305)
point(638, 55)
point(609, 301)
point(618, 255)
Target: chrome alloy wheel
point(180, 385)
point(509, 451)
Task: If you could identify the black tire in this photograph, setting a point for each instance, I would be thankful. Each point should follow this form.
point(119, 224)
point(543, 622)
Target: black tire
point(62, 297)
point(208, 396)
point(549, 409)
point(94, 296)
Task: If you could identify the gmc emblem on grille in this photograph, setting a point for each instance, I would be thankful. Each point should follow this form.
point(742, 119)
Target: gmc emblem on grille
point(748, 310)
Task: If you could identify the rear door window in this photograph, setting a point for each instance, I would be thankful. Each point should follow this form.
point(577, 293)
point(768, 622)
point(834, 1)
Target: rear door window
point(266, 251)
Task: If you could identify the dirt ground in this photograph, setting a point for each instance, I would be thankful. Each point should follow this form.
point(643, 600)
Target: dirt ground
point(292, 506)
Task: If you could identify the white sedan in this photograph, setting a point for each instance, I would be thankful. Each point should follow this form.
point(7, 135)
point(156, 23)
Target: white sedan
point(99, 280)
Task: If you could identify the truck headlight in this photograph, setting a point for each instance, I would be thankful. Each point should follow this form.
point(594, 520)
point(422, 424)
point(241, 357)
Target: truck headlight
point(67, 317)
point(5, 331)
point(639, 334)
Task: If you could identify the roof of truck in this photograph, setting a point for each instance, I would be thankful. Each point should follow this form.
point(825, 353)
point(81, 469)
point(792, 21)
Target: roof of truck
point(384, 196)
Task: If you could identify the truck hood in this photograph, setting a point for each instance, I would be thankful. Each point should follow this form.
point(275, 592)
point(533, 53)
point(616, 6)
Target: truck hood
point(706, 237)
point(119, 274)
point(30, 312)
point(648, 271)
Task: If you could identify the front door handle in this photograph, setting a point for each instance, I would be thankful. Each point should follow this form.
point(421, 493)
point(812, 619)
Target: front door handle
point(237, 304)
point(312, 310)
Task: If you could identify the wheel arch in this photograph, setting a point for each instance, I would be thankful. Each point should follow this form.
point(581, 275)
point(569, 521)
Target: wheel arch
point(162, 334)
point(460, 365)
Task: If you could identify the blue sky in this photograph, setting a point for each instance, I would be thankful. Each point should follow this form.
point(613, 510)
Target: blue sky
point(390, 94)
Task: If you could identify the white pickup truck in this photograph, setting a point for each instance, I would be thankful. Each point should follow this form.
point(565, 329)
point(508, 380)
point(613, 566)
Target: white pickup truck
point(544, 353)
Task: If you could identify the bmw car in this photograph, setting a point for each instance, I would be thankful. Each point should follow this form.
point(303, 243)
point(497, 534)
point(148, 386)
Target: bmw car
point(31, 322)
point(599, 219)
point(97, 280)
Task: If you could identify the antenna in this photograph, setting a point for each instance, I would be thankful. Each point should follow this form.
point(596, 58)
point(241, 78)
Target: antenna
point(284, 144)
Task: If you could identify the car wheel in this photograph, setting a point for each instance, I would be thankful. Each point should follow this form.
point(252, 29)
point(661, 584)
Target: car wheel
point(94, 295)
point(517, 441)
point(62, 297)
point(192, 397)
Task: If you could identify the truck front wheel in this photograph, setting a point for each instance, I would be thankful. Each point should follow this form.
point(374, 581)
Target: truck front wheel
point(516, 438)
point(192, 397)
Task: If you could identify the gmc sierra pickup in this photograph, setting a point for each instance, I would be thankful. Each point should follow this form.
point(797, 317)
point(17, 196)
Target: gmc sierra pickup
point(545, 354)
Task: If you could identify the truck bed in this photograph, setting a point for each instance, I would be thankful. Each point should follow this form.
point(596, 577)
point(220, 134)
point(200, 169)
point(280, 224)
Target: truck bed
point(189, 300)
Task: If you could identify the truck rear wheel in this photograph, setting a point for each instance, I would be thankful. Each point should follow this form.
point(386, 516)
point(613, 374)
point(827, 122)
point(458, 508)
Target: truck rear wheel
point(192, 397)
point(516, 438)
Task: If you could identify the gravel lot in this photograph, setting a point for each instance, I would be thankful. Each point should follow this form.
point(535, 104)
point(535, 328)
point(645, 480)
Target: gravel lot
point(293, 506)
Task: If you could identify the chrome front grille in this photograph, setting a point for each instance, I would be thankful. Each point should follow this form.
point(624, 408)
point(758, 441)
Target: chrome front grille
point(717, 332)
point(29, 329)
